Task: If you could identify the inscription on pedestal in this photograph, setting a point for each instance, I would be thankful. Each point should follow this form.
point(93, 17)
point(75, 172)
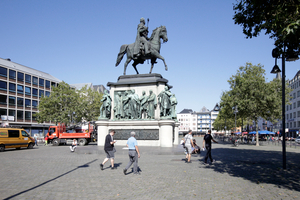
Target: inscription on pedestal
point(140, 134)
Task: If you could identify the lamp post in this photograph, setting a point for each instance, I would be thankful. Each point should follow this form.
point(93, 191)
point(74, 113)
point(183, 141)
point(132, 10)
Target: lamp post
point(275, 70)
point(235, 111)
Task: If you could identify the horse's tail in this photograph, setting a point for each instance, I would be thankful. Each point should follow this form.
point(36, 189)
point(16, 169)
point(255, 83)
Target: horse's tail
point(121, 54)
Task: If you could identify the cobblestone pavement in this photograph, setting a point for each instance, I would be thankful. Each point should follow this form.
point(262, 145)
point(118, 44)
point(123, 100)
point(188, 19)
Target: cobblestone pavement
point(244, 172)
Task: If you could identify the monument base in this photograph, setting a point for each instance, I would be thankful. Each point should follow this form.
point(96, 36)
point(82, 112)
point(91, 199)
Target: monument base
point(163, 133)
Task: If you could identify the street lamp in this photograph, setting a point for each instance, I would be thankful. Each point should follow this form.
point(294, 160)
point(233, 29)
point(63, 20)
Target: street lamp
point(235, 111)
point(275, 70)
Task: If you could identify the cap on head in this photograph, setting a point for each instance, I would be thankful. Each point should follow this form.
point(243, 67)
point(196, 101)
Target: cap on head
point(142, 19)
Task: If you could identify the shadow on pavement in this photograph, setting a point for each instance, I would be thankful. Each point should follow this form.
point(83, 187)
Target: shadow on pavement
point(44, 183)
point(258, 166)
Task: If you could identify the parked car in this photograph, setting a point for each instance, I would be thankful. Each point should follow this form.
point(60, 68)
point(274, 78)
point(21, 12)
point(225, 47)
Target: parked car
point(298, 140)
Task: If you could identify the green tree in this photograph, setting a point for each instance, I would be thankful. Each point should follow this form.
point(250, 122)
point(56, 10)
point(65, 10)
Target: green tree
point(253, 96)
point(59, 106)
point(278, 18)
point(64, 101)
point(89, 104)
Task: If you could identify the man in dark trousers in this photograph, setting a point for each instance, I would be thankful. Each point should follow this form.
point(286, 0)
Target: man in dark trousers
point(207, 144)
point(109, 149)
point(133, 153)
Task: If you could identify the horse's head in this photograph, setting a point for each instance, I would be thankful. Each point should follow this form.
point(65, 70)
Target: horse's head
point(163, 33)
point(160, 32)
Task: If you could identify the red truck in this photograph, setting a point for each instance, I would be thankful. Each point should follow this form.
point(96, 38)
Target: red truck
point(58, 135)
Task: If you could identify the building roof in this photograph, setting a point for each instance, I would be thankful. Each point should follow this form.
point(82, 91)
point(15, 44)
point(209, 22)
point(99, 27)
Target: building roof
point(78, 86)
point(12, 65)
point(186, 111)
point(99, 88)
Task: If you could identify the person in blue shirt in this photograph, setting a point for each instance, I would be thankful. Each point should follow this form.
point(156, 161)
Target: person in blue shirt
point(133, 153)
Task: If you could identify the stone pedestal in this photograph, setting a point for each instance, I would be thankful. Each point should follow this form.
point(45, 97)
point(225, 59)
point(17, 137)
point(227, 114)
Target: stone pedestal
point(149, 132)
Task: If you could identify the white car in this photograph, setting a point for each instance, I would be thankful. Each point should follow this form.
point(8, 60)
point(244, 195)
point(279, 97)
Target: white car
point(297, 140)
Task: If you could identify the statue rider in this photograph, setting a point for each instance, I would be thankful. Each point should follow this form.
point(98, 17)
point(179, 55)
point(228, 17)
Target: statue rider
point(141, 44)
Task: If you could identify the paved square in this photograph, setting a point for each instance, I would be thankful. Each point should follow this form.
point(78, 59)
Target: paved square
point(244, 172)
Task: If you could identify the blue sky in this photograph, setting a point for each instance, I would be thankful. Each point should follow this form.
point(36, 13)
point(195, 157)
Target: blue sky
point(78, 41)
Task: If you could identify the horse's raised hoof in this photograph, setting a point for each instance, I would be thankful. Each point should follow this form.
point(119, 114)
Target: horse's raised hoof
point(166, 68)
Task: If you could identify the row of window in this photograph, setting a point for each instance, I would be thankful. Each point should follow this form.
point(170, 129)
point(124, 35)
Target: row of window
point(12, 101)
point(21, 89)
point(28, 78)
point(19, 114)
point(290, 125)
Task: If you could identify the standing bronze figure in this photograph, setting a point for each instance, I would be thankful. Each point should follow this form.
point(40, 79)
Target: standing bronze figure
point(144, 48)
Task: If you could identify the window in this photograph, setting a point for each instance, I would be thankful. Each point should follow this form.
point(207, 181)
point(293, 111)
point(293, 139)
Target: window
point(27, 90)
point(41, 93)
point(298, 114)
point(34, 103)
point(291, 115)
point(20, 89)
point(12, 87)
point(34, 80)
point(20, 76)
point(34, 92)
point(294, 105)
point(20, 102)
point(3, 85)
point(3, 71)
point(52, 84)
point(3, 112)
point(13, 133)
point(20, 114)
point(47, 93)
point(12, 113)
point(298, 93)
point(294, 95)
point(24, 133)
point(27, 115)
point(41, 82)
point(3, 99)
point(12, 101)
point(27, 103)
point(33, 116)
point(47, 84)
point(12, 74)
point(27, 78)
point(294, 114)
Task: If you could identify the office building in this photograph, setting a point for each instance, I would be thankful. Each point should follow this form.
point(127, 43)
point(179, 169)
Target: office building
point(21, 88)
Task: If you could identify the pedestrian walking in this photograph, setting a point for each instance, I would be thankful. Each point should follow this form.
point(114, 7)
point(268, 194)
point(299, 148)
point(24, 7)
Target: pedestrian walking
point(46, 141)
point(133, 153)
point(35, 140)
point(73, 146)
point(189, 144)
point(207, 144)
point(109, 149)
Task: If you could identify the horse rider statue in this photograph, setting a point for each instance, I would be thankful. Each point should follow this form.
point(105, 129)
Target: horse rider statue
point(141, 45)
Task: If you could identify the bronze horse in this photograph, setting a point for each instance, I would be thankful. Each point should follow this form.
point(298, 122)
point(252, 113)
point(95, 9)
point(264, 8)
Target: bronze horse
point(155, 43)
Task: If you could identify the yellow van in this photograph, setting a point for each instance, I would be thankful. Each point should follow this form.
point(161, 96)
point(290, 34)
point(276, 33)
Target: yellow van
point(15, 138)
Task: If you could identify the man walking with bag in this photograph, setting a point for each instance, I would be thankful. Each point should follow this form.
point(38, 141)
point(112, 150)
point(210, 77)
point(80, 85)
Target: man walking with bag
point(109, 149)
point(189, 145)
point(207, 144)
point(133, 153)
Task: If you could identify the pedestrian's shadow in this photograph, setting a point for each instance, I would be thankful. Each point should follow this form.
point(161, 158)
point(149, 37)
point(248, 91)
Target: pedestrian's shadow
point(139, 170)
point(116, 165)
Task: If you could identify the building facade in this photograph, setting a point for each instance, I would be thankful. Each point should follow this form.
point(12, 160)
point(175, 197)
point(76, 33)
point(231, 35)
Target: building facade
point(21, 88)
point(293, 110)
point(198, 122)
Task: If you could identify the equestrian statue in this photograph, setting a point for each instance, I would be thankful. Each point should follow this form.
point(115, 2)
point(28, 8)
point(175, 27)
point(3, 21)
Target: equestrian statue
point(144, 48)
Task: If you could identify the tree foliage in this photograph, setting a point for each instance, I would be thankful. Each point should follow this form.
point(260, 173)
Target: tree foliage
point(279, 18)
point(253, 95)
point(65, 105)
